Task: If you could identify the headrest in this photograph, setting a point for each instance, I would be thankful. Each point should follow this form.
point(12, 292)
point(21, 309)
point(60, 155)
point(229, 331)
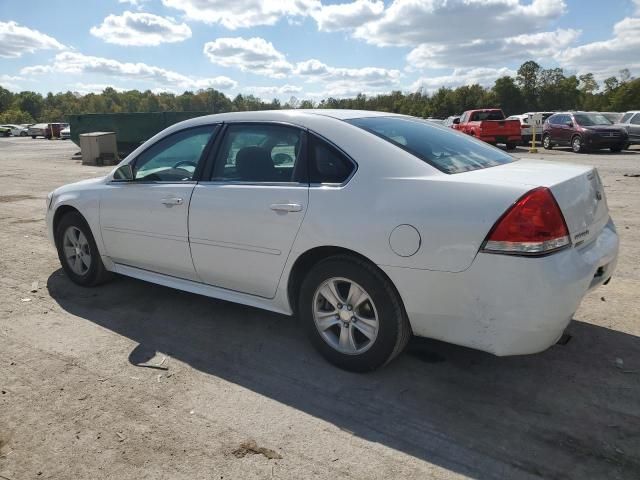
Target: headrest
point(255, 164)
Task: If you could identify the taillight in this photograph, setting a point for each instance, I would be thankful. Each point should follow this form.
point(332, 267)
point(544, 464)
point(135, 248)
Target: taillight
point(534, 225)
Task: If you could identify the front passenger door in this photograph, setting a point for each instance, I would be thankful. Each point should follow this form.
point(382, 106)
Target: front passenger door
point(244, 220)
point(144, 221)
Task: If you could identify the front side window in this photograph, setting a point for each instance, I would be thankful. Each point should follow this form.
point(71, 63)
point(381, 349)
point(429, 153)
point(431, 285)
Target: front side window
point(636, 120)
point(446, 150)
point(174, 158)
point(590, 119)
point(260, 153)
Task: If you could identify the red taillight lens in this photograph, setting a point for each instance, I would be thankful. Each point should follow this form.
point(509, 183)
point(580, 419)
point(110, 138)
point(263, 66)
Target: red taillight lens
point(534, 225)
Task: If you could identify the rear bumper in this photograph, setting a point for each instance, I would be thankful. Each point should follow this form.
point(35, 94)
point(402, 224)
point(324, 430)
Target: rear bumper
point(501, 138)
point(506, 305)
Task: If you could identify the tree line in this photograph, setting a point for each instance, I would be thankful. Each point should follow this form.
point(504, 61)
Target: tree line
point(533, 89)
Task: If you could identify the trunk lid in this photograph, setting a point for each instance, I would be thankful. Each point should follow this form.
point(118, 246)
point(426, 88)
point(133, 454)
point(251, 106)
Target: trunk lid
point(577, 189)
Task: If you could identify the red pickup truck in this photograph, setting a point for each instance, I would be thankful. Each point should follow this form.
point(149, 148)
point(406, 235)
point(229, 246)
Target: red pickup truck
point(490, 126)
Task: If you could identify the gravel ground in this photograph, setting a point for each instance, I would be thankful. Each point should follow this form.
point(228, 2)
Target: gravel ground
point(132, 380)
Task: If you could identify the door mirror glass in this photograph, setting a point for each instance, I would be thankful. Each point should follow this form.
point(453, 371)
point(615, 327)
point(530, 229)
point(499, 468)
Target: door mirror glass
point(569, 123)
point(123, 173)
point(456, 121)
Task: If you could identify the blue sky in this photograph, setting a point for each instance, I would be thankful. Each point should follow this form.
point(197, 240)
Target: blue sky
point(306, 48)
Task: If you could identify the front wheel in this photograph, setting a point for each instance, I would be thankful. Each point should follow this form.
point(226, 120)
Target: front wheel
point(77, 251)
point(546, 142)
point(33, 136)
point(352, 314)
point(511, 146)
point(617, 149)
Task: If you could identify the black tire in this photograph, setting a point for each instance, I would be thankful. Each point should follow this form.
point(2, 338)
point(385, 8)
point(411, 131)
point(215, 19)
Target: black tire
point(576, 144)
point(33, 136)
point(617, 149)
point(23, 134)
point(96, 273)
point(511, 146)
point(394, 329)
point(546, 142)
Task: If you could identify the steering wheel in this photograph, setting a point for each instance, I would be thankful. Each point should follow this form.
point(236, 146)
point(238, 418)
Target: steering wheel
point(185, 162)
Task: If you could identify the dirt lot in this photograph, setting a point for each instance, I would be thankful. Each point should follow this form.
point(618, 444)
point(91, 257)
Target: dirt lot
point(239, 393)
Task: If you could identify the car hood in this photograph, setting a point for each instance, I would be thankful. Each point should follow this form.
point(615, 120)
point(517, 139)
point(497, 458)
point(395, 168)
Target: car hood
point(604, 128)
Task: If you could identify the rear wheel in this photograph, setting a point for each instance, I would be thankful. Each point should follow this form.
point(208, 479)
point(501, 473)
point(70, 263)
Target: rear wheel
point(77, 251)
point(511, 146)
point(576, 144)
point(616, 149)
point(352, 314)
point(546, 142)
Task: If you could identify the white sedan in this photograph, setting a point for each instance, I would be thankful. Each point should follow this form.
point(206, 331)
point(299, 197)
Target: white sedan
point(16, 130)
point(371, 227)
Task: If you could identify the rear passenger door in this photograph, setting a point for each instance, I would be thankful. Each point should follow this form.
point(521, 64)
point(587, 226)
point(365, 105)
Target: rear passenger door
point(245, 216)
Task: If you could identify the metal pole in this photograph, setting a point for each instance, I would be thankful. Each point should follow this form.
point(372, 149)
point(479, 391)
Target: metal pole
point(533, 148)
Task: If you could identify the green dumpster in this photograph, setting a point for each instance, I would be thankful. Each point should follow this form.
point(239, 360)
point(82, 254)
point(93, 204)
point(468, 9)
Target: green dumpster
point(131, 129)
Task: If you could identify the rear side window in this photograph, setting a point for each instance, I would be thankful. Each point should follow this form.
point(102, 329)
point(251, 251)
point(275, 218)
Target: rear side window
point(445, 149)
point(326, 163)
point(636, 120)
point(626, 117)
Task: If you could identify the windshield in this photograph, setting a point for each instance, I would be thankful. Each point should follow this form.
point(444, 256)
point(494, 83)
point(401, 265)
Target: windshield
point(443, 148)
point(589, 119)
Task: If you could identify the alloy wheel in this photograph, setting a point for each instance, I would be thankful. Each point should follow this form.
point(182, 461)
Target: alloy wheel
point(345, 316)
point(77, 251)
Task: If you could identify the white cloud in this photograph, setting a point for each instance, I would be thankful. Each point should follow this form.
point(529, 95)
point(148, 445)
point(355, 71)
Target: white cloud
point(481, 52)
point(256, 55)
point(77, 63)
point(414, 22)
point(252, 54)
point(16, 40)
point(85, 88)
point(140, 29)
point(273, 91)
point(242, 13)
point(484, 76)
point(345, 16)
point(11, 82)
point(607, 57)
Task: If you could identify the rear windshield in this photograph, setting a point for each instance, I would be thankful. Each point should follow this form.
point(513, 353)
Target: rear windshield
point(589, 119)
point(443, 148)
point(490, 115)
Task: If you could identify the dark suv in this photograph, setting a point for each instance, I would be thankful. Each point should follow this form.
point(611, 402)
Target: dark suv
point(583, 131)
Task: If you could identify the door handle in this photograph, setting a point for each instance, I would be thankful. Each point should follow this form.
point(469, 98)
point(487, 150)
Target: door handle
point(172, 201)
point(286, 207)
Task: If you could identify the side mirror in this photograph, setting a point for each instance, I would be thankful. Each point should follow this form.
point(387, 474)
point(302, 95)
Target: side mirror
point(456, 121)
point(124, 173)
point(569, 124)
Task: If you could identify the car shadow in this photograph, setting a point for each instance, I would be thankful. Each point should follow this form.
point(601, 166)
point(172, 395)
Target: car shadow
point(570, 412)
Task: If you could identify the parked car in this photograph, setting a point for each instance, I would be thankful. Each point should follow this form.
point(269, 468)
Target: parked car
point(436, 121)
point(583, 131)
point(491, 126)
point(16, 130)
point(46, 130)
point(38, 130)
point(526, 130)
point(451, 121)
point(65, 133)
point(378, 226)
point(5, 131)
point(630, 121)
